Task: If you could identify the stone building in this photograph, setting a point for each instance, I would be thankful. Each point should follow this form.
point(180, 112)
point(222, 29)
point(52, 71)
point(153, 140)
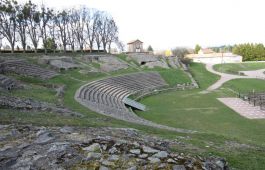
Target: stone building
point(135, 46)
point(215, 58)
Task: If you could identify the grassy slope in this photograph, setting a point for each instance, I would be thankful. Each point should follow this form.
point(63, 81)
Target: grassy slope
point(245, 85)
point(202, 76)
point(173, 77)
point(234, 68)
point(203, 112)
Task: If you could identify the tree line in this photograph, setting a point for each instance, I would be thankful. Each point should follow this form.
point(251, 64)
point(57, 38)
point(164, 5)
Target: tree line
point(28, 24)
point(250, 51)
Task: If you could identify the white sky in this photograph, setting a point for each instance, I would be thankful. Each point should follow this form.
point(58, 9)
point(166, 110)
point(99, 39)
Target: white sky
point(165, 24)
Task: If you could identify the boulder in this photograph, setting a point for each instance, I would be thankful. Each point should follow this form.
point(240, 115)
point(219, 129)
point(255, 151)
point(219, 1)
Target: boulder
point(161, 154)
point(67, 130)
point(95, 147)
point(143, 156)
point(147, 149)
point(135, 151)
point(114, 158)
point(154, 160)
point(44, 138)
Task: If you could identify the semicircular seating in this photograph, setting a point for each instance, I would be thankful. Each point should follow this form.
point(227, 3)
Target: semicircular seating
point(106, 96)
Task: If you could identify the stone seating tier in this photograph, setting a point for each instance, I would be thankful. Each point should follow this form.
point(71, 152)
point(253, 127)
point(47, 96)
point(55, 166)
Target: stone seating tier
point(24, 68)
point(109, 93)
point(7, 83)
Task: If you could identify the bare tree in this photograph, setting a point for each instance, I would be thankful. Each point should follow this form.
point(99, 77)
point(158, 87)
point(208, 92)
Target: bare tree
point(33, 24)
point(21, 19)
point(53, 31)
point(112, 33)
point(71, 28)
point(8, 24)
point(91, 22)
point(61, 21)
point(102, 28)
point(120, 45)
point(98, 40)
point(46, 15)
point(1, 40)
point(79, 19)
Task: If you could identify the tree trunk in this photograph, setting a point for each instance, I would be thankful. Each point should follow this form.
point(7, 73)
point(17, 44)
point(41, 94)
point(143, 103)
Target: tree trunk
point(24, 48)
point(104, 47)
point(73, 48)
point(91, 46)
point(109, 47)
point(12, 48)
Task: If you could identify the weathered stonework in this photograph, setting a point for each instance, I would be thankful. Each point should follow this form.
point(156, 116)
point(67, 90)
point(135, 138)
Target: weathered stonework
point(31, 147)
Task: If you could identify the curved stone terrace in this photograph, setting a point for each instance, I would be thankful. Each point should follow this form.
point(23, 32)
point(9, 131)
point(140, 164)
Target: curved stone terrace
point(107, 96)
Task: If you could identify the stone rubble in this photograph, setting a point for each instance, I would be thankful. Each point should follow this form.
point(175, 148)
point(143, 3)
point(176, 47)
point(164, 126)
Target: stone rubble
point(31, 147)
point(9, 83)
point(9, 102)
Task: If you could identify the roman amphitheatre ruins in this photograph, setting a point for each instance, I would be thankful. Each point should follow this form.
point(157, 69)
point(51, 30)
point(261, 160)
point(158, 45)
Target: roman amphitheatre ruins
point(134, 110)
point(72, 97)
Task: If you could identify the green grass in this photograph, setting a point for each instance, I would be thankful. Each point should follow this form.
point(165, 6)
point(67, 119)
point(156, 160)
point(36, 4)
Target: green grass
point(96, 65)
point(204, 113)
point(173, 77)
point(234, 68)
point(202, 76)
point(35, 89)
point(123, 57)
point(127, 59)
point(245, 85)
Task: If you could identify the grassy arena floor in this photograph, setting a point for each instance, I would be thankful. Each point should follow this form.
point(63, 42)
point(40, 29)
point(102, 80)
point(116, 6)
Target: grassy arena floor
point(232, 68)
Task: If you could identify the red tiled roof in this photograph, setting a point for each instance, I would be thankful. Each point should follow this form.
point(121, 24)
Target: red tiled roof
point(131, 42)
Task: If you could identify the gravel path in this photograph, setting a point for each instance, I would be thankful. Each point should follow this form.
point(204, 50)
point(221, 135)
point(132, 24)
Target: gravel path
point(257, 74)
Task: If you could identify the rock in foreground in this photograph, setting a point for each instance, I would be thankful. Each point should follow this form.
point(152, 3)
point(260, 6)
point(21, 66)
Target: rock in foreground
point(30, 147)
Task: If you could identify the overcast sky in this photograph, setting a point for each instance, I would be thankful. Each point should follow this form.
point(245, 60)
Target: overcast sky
point(165, 24)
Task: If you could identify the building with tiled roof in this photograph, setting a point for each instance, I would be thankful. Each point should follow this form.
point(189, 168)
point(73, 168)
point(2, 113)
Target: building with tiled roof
point(135, 46)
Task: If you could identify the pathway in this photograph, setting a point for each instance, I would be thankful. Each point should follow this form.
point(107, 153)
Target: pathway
point(244, 108)
point(257, 74)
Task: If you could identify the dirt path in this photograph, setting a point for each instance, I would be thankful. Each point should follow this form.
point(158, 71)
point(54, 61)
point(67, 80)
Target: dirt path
point(257, 74)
